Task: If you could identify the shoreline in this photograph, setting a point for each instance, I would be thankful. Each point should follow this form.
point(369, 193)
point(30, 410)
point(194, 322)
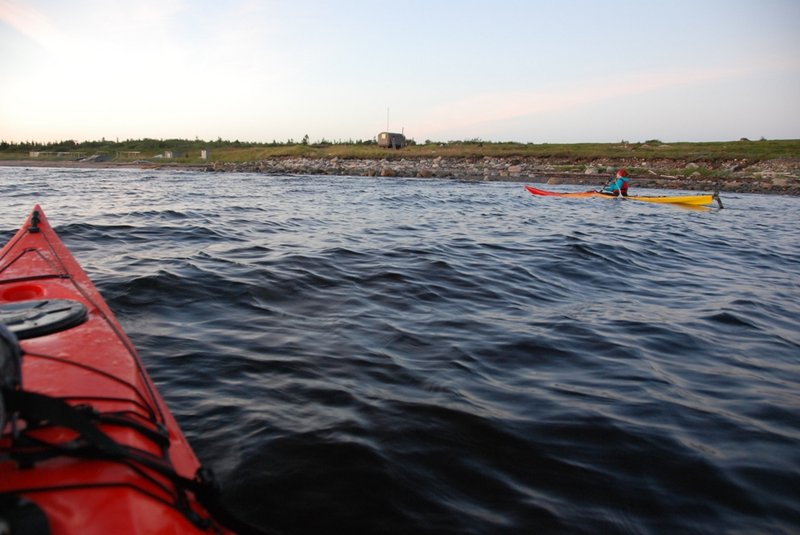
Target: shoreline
point(781, 177)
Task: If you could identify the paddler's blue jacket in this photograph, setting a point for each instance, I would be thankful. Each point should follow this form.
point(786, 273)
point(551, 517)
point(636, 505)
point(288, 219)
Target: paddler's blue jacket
point(619, 185)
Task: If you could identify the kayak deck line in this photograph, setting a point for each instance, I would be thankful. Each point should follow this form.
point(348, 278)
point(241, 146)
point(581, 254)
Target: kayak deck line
point(36, 278)
point(89, 443)
point(704, 199)
point(142, 402)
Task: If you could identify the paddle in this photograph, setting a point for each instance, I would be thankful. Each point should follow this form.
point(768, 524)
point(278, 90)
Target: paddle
point(604, 186)
point(608, 182)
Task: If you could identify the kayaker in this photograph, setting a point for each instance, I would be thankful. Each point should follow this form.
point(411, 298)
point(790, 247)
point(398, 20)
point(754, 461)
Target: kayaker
point(620, 184)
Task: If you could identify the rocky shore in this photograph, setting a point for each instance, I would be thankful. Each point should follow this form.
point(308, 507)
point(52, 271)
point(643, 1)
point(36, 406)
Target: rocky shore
point(770, 176)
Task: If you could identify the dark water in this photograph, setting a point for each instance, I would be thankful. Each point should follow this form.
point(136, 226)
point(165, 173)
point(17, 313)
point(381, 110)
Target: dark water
point(425, 356)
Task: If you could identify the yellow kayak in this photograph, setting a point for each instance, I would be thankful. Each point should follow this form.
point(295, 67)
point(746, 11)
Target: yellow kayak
point(701, 200)
point(704, 199)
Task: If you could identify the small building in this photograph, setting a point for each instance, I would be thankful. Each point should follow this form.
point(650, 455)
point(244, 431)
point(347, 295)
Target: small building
point(391, 140)
point(205, 154)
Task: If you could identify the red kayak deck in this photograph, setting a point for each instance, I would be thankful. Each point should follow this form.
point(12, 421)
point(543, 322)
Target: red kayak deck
point(546, 193)
point(148, 482)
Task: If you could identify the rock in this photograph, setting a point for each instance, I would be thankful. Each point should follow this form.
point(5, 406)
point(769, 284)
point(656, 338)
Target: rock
point(776, 175)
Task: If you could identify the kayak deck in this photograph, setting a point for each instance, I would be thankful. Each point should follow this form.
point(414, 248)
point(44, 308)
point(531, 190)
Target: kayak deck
point(705, 199)
point(109, 457)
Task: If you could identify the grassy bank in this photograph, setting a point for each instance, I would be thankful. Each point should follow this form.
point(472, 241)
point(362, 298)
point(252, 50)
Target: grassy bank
point(189, 151)
point(578, 152)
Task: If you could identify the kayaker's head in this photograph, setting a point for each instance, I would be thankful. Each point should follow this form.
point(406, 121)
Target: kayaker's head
point(10, 364)
point(622, 173)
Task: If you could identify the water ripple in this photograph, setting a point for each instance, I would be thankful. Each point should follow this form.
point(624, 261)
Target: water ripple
point(428, 356)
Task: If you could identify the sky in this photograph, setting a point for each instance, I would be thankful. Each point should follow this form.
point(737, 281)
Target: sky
point(531, 71)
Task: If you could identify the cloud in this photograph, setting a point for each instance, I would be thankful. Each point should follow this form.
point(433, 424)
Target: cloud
point(487, 108)
point(31, 23)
